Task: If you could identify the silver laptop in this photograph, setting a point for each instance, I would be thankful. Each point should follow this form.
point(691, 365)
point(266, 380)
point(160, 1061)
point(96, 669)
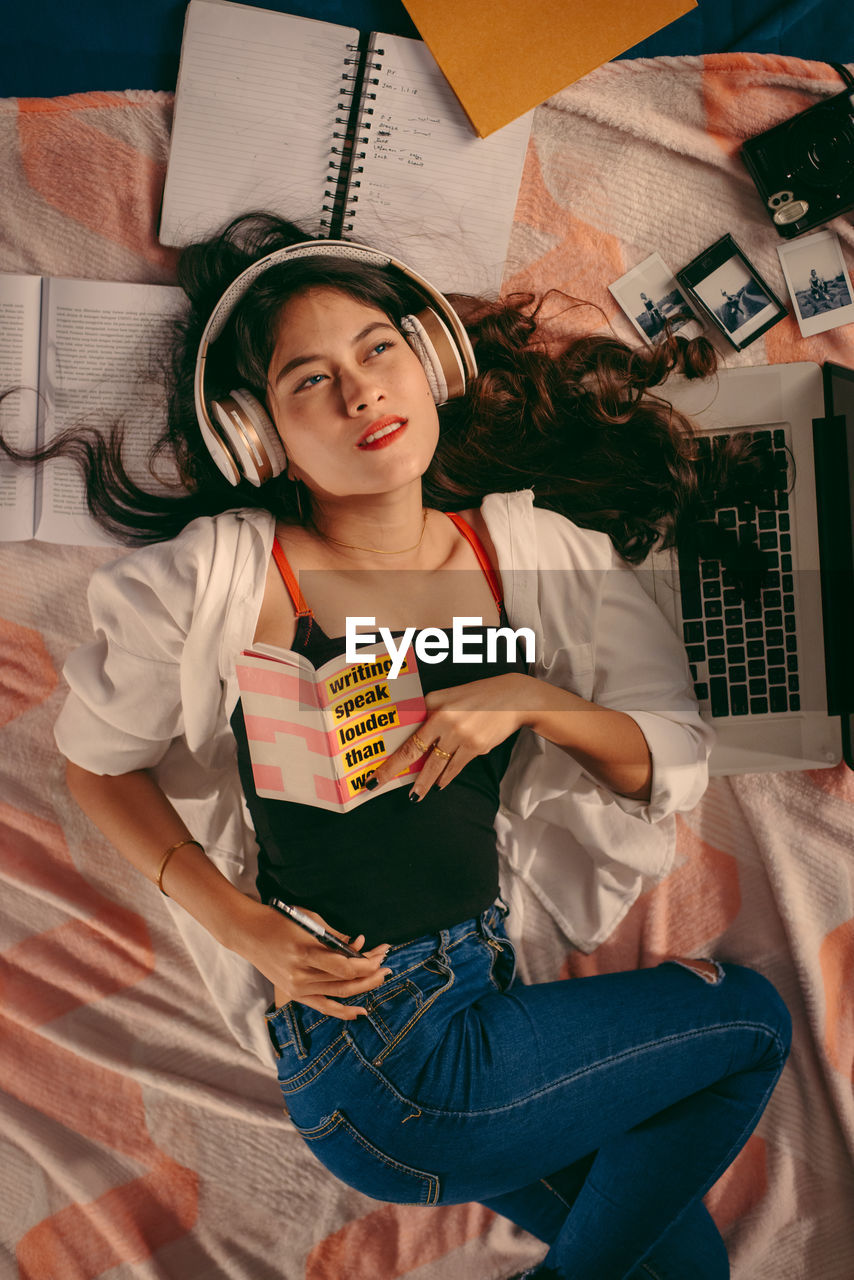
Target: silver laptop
point(773, 672)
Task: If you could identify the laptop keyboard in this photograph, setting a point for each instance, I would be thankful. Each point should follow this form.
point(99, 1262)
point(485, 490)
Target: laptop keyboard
point(743, 652)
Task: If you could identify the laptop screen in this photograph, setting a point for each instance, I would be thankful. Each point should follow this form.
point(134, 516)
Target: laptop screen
point(834, 447)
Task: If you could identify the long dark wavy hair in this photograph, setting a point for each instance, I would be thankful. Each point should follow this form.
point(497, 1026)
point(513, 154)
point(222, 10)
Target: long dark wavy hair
point(584, 425)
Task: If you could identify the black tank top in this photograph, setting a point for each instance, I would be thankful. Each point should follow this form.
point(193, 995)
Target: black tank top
point(390, 869)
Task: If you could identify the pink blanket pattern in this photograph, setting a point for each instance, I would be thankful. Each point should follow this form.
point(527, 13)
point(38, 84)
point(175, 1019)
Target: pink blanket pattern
point(138, 1140)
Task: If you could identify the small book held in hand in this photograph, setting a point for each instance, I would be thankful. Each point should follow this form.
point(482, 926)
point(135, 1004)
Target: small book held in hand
point(316, 734)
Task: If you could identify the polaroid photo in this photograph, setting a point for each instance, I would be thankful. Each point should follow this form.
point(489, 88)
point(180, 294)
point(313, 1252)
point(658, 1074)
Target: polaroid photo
point(731, 292)
point(651, 299)
point(818, 282)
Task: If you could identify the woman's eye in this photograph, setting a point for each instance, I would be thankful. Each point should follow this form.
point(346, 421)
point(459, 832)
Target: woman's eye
point(313, 380)
point(381, 347)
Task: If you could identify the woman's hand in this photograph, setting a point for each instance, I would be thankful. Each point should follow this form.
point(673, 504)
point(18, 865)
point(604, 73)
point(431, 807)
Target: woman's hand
point(462, 722)
point(301, 968)
point(471, 719)
point(136, 816)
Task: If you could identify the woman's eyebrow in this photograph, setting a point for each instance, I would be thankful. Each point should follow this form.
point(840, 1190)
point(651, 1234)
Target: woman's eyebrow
point(308, 358)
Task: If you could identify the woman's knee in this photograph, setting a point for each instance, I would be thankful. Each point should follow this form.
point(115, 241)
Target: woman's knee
point(745, 996)
point(759, 1001)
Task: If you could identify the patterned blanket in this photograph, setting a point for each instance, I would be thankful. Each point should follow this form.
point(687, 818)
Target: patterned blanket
point(138, 1140)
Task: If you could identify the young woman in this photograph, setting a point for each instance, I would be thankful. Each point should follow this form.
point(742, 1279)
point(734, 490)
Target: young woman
point(348, 454)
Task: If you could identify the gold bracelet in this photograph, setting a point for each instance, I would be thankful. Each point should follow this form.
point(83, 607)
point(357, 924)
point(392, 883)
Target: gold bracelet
point(158, 879)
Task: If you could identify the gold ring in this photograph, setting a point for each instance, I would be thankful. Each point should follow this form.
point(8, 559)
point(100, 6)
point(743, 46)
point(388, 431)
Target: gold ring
point(422, 747)
point(446, 755)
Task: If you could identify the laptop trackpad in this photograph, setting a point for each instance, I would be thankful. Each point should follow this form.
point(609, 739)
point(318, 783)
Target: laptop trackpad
point(740, 746)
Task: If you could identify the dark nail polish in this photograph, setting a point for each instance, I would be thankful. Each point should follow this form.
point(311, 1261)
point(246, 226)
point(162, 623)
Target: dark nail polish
point(371, 783)
point(414, 797)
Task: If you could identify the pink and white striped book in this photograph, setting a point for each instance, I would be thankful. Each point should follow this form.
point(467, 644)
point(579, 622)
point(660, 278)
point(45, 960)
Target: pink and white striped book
point(316, 734)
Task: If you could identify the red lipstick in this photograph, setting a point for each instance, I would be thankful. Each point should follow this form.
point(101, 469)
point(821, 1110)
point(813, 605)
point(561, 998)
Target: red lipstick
point(390, 427)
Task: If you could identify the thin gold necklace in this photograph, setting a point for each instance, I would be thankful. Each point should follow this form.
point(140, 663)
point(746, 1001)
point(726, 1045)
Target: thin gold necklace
point(377, 551)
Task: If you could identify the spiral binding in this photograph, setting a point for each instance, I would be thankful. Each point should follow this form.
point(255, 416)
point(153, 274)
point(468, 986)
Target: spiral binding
point(355, 90)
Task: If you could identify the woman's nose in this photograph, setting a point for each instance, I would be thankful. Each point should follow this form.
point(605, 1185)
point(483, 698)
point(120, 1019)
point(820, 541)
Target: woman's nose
point(360, 389)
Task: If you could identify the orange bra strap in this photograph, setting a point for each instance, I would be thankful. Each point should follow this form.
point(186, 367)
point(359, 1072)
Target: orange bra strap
point(300, 607)
point(482, 558)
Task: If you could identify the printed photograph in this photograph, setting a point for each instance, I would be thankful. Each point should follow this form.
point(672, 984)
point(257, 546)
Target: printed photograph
point(736, 299)
point(818, 282)
point(651, 300)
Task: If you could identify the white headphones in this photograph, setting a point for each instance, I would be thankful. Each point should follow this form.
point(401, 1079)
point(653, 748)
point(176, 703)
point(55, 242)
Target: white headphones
point(237, 429)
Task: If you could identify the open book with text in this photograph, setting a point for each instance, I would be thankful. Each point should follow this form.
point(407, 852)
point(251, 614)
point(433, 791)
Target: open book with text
point(314, 735)
point(344, 133)
point(82, 353)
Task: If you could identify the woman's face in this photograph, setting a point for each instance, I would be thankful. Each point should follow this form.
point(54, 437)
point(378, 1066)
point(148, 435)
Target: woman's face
point(349, 397)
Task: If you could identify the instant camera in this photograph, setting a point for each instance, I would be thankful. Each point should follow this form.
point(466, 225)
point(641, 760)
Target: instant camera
point(804, 167)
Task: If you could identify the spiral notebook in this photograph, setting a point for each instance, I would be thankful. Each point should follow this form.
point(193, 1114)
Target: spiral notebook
point(345, 133)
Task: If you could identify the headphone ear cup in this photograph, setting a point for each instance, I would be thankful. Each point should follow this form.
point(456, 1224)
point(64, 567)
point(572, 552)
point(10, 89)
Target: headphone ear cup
point(250, 438)
point(431, 340)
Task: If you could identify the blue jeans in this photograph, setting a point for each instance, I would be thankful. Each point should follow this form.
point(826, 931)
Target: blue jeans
point(594, 1112)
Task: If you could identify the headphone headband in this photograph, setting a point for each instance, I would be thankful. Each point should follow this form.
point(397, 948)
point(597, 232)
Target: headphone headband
point(308, 249)
point(335, 249)
point(437, 334)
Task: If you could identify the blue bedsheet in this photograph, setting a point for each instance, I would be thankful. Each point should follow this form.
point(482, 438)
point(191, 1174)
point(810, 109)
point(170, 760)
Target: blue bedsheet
point(54, 47)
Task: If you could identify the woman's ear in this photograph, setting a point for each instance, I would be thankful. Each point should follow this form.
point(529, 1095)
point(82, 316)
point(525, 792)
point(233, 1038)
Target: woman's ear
point(416, 336)
point(439, 353)
point(248, 438)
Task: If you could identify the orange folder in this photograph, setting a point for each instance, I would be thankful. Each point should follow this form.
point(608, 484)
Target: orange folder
point(502, 57)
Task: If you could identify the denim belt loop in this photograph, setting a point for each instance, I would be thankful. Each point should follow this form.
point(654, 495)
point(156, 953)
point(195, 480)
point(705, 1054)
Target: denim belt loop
point(297, 1037)
point(301, 1041)
point(482, 927)
point(489, 919)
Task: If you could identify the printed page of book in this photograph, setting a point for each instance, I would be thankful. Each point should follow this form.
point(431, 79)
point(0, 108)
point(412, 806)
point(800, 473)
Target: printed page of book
point(369, 716)
point(315, 736)
point(255, 109)
point(20, 316)
point(105, 349)
point(432, 193)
